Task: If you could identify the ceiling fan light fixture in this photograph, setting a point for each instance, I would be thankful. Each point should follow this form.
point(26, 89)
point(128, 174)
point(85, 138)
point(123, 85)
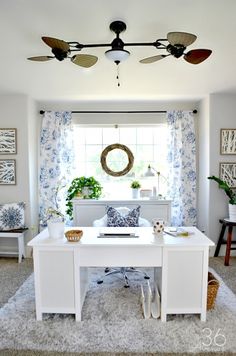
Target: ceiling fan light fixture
point(175, 45)
point(117, 55)
point(181, 38)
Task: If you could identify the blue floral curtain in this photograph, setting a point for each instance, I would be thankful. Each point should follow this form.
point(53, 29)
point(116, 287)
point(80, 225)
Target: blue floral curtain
point(182, 167)
point(56, 162)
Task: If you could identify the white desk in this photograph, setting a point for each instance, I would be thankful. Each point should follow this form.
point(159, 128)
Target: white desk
point(181, 268)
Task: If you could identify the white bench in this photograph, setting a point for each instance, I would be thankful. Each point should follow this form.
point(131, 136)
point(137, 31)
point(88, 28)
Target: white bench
point(19, 235)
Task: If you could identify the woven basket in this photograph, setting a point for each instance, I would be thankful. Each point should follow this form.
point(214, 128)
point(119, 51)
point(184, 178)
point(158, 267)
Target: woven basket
point(213, 286)
point(74, 235)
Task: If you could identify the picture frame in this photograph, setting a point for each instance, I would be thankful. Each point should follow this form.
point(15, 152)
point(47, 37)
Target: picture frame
point(7, 141)
point(7, 172)
point(228, 141)
point(228, 173)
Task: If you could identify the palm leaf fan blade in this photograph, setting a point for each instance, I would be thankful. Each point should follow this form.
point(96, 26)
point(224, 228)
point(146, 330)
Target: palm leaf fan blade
point(197, 56)
point(40, 58)
point(181, 38)
point(84, 60)
point(152, 59)
point(56, 43)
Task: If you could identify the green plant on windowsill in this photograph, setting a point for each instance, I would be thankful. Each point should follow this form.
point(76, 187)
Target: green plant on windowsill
point(135, 184)
point(231, 194)
point(83, 187)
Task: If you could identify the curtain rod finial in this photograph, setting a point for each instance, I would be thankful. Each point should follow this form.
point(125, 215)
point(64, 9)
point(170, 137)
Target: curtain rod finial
point(42, 112)
point(195, 111)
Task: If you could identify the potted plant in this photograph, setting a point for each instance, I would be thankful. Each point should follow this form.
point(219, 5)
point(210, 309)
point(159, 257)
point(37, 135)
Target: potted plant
point(231, 194)
point(135, 185)
point(84, 188)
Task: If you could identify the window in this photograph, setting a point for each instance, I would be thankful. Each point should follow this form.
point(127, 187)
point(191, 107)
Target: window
point(147, 143)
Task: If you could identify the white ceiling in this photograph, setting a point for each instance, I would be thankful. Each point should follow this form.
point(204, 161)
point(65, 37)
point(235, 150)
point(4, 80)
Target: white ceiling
point(23, 22)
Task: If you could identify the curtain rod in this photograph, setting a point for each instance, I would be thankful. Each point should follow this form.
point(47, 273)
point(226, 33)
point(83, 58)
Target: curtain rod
point(120, 112)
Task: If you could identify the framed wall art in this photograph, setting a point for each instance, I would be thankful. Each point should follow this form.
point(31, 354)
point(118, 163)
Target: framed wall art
point(228, 141)
point(7, 141)
point(228, 173)
point(7, 171)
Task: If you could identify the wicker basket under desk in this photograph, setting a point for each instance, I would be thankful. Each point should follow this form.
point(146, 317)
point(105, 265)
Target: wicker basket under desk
point(212, 289)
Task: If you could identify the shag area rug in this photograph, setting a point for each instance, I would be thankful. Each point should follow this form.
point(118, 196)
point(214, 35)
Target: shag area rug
point(113, 322)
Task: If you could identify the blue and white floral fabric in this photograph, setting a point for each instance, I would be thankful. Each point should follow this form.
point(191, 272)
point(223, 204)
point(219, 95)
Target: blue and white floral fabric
point(12, 216)
point(182, 167)
point(56, 162)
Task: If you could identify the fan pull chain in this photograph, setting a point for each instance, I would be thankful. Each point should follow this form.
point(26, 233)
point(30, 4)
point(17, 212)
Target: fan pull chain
point(118, 73)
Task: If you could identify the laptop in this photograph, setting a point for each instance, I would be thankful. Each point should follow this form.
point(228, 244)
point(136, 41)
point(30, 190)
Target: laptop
point(117, 232)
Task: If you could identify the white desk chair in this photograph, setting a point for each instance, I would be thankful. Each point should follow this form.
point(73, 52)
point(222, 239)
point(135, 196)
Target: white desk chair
point(122, 270)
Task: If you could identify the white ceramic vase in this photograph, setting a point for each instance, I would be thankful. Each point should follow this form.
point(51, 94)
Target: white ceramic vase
point(232, 212)
point(56, 229)
point(135, 193)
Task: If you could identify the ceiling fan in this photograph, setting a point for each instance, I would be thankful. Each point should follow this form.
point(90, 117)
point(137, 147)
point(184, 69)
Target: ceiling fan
point(175, 45)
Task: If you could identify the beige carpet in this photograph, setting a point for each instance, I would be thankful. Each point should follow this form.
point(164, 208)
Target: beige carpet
point(12, 275)
point(42, 353)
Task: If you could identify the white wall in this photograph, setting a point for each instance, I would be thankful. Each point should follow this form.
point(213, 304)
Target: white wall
point(215, 112)
point(203, 165)
point(222, 115)
point(17, 111)
point(33, 145)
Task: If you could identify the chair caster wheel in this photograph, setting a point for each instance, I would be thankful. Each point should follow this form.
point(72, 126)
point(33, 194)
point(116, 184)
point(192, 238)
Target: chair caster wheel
point(146, 277)
point(126, 286)
point(107, 270)
point(99, 282)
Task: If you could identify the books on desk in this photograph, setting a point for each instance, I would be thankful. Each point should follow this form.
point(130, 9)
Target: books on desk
point(178, 232)
point(117, 232)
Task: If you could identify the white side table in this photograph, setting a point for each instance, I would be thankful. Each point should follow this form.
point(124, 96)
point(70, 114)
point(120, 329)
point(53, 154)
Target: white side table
point(19, 235)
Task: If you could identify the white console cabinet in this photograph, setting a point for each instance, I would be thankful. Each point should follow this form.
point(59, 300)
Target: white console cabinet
point(85, 211)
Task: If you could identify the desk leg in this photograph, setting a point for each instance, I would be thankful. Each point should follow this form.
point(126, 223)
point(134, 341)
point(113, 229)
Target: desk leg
point(228, 246)
point(163, 317)
point(220, 240)
point(81, 286)
point(39, 316)
point(203, 316)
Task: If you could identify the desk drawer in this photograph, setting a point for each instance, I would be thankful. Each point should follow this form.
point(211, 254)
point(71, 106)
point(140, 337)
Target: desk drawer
point(102, 256)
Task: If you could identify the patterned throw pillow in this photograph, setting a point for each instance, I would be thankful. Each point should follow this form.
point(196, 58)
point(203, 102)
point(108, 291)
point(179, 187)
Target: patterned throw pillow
point(116, 219)
point(12, 216)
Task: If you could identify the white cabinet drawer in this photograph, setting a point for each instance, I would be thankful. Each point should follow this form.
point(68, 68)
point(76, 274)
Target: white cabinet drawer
point(140, 256)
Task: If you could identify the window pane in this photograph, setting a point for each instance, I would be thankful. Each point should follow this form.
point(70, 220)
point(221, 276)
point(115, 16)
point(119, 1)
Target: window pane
point(160, 135)
point(127, 135)
point(145, 152)
point(79, 135)
point(110, 135)
point(94, 135)
point(93, 152)
point(94, 169)
point(91, 141)
point(80, 152)
point(144, 135)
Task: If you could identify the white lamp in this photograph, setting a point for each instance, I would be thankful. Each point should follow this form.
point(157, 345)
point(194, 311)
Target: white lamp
point(150, 173)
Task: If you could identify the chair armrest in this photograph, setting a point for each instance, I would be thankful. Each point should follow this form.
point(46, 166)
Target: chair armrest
point(143, 222)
